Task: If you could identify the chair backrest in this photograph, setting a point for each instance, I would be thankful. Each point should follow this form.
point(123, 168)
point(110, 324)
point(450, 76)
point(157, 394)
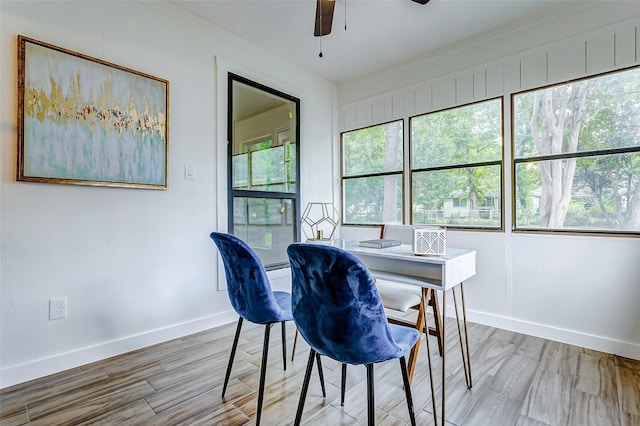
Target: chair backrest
point(336, 305)
point(247, 283)
point(404, 233)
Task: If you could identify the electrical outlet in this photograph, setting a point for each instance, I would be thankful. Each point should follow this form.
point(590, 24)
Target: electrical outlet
point(57, 308)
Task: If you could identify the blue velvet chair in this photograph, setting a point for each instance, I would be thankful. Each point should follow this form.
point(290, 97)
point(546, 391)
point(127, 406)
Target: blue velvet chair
point(339, 313)
point(252, 298)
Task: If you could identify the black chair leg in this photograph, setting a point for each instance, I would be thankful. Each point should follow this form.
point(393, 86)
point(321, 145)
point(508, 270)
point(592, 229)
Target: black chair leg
point(284, 345)
point(407, 390)
point(233, 354)
point(295, 342)
point(305, 387)
point(321, 374)
point(263, 371)
point(371, 405)
point(343, 385)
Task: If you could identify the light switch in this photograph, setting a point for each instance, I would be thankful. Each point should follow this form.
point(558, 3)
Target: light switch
point(189, 171)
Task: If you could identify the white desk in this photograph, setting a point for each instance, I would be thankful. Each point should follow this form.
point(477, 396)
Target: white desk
point(440, 273)
point(401, 265)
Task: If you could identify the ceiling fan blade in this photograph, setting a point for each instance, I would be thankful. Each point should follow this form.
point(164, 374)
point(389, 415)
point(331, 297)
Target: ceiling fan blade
point(421, 1)
point(324, 17)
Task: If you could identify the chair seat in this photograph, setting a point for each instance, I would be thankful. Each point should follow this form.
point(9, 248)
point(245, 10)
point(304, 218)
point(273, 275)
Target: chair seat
point(399, 297)
point(283, 299)
point(404, 337)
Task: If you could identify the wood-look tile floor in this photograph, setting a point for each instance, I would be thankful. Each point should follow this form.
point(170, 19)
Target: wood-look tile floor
point(517, 380)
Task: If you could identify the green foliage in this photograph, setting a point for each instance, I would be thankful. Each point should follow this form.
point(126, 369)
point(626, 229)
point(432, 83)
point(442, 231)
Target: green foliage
point(457, 136)
point(373, 149)
point(607, 180)
point(446, 147)
point(365, 199)
point(434, 193)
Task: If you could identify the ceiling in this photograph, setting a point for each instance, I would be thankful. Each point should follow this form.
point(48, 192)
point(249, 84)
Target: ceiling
point(379, 34)
point(250, 101)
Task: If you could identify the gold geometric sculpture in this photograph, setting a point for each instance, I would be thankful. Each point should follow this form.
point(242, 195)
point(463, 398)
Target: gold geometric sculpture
point(319, 221)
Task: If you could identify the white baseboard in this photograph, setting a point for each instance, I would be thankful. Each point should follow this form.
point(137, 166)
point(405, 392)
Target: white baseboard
point(20, 373)
point(577, 338)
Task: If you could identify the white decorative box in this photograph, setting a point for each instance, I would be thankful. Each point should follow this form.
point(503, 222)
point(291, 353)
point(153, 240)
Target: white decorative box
point(429, 241)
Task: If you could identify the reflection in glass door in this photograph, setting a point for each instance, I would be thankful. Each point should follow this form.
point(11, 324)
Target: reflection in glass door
point(263, 168)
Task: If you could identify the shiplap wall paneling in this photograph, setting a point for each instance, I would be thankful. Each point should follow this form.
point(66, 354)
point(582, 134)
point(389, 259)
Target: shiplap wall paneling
point(378, 110)
point(348, 120)
point(533, 70)
point(512, 70)
point(480, 84)
point(637, 44)
point(364, 114)
point(567, 60)
point(444, 94)
point(625, 46)
point(409, 102)
point(422, 95)
point(397, 105)
point(464, 89)
point(387, 107)
point(494, 80)
point(600, 52)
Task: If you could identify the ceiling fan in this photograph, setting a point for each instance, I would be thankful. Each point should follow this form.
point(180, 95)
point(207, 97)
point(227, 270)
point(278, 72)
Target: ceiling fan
point(324, 16)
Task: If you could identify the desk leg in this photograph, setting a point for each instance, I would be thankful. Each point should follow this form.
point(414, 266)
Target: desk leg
point(420, 325)
point(444, 369)
point(426, 292)
point(466, 361)
point(437, 330)
point(464, 348)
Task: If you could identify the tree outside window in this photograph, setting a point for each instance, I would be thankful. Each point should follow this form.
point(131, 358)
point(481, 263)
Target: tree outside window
point(372, 162)
point(577, 155)
point(456, 173)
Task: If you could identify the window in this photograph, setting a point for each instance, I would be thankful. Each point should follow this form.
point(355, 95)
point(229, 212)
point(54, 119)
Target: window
point(577, 156)
point(456, 174)
point(372, 164)
point(263, 166)
point(459, 202)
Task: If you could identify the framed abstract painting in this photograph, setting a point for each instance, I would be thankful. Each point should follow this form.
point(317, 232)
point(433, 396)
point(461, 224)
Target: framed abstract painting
point(84, 121)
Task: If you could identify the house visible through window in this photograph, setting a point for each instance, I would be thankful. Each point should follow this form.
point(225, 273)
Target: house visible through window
point(456, 175)
point(577, 155)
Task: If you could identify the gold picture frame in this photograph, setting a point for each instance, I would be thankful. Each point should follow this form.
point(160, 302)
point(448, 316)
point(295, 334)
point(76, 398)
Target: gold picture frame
point(85, 121)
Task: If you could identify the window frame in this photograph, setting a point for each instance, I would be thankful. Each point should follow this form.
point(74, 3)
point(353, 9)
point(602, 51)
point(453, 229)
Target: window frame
point(499, 162)
point(401, 172)
point(515, 161)
point(233, 193)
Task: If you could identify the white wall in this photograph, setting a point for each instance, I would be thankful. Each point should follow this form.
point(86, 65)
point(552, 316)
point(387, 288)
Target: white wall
point(137, 266)
point(577, 289)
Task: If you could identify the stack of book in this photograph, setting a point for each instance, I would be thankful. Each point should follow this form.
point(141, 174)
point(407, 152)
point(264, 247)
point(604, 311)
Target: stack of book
point(380, 243)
